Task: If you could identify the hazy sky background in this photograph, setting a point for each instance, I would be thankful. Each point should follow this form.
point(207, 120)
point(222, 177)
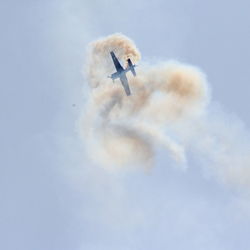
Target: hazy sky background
point(51, 198)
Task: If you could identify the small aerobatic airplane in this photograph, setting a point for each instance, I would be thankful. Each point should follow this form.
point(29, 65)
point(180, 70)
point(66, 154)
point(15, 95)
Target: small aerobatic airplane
point(121, 72)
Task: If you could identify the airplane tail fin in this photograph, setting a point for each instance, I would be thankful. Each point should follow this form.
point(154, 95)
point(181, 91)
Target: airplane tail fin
point(131, 67)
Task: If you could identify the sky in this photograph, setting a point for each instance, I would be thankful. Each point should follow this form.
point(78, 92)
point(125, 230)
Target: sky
point(51, 196)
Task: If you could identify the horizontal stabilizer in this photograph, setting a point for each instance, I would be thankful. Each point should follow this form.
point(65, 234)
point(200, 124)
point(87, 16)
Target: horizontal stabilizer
point(131, 67)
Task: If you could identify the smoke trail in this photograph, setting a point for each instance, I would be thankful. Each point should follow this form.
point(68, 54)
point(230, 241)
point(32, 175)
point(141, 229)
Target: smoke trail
point(125, 131)
point(220, 143)
point(167, 99)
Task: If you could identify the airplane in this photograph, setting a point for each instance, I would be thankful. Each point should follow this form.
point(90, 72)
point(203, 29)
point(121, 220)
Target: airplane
point(121, 72)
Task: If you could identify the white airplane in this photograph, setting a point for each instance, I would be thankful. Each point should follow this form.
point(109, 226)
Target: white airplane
point(121, 72)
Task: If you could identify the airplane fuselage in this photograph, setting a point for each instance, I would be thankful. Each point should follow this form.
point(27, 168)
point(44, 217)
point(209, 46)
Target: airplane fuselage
point(119, 73)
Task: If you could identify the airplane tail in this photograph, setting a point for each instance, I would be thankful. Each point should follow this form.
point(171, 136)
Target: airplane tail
point(131, 67)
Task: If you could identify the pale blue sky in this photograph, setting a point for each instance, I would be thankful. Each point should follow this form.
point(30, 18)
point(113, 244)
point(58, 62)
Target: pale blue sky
point(50, 196)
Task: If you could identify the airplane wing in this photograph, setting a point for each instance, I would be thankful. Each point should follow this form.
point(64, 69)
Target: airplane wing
point(125, 85)
point(117, 64)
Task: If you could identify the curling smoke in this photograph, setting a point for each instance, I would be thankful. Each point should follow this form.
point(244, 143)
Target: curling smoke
point(169, 98)
point(121, 130)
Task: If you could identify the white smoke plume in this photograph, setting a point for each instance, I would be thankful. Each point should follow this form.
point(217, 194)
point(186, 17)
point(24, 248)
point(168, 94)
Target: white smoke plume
point(168, 108)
